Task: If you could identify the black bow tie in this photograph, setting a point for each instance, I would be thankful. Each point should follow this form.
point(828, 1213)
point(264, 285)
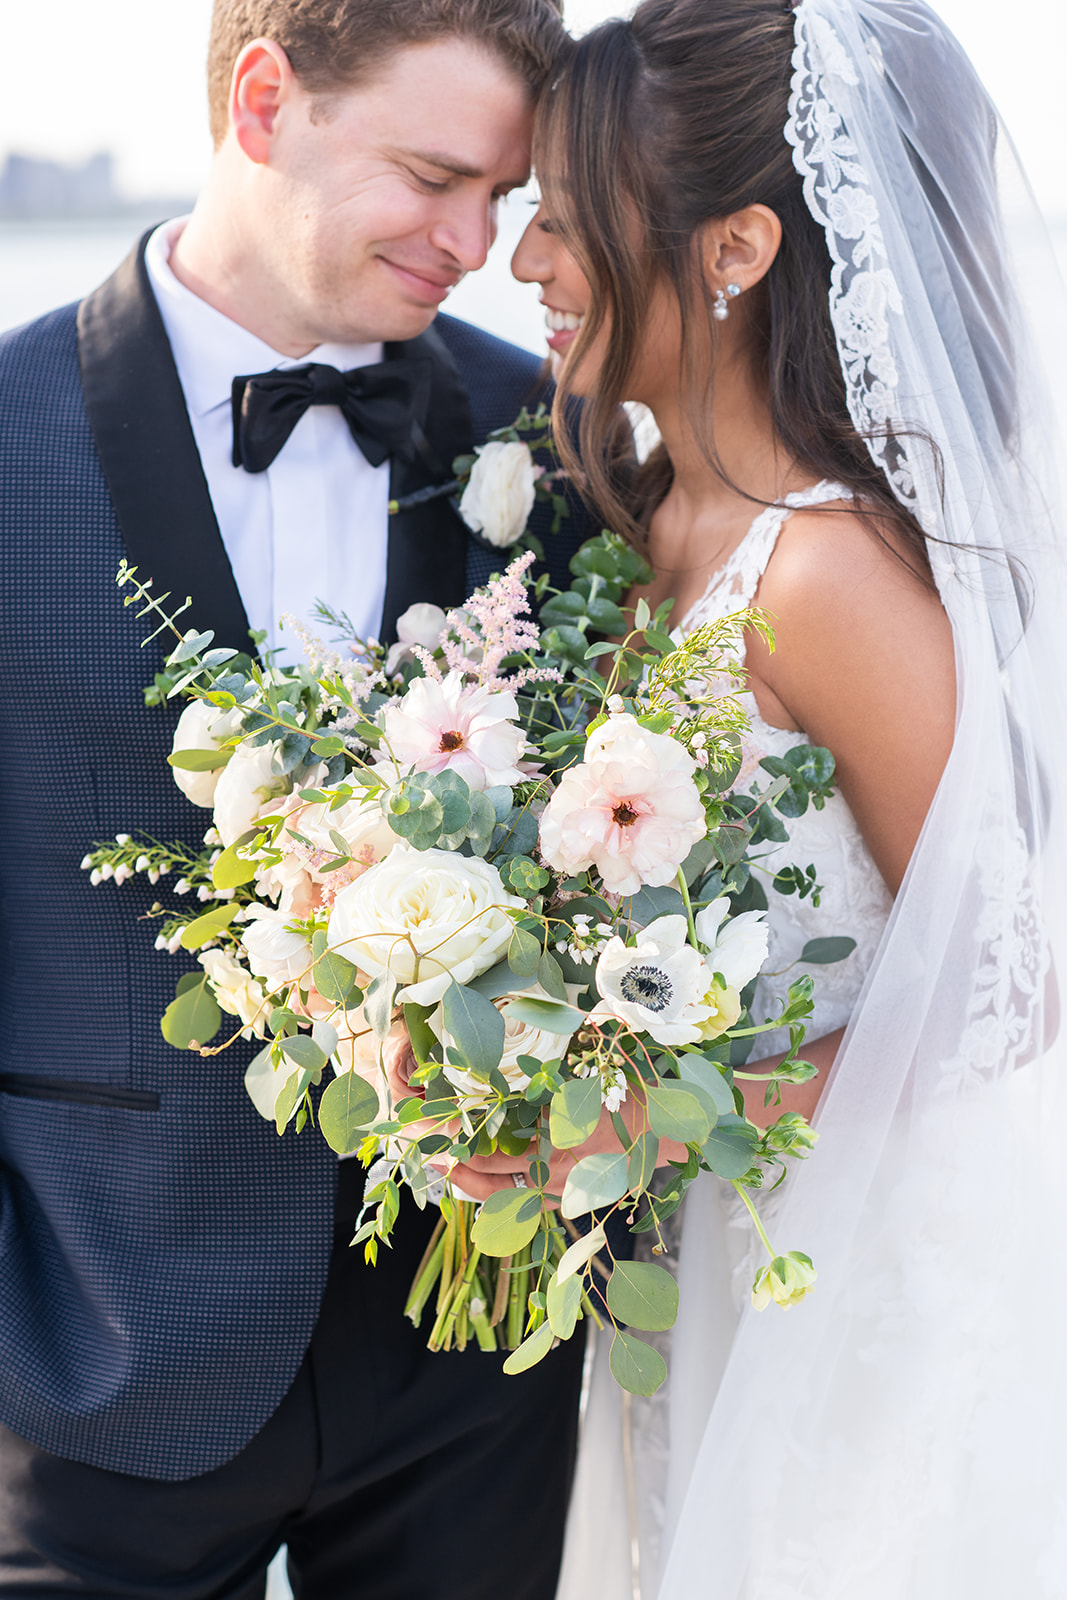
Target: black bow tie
point(378, 403)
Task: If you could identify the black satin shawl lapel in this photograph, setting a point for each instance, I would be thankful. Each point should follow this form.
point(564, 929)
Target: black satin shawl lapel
point(428, 546)
point(144, 439)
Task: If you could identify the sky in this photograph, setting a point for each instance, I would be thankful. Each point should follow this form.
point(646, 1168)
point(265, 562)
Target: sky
point(127, 75)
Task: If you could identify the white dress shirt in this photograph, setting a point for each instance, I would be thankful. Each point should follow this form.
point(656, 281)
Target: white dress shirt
point(315, 524)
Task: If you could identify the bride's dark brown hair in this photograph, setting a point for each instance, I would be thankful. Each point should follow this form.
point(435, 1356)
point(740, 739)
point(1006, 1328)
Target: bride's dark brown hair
point(656, 126)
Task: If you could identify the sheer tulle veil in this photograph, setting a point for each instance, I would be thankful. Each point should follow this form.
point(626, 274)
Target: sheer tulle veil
point(902, 1435)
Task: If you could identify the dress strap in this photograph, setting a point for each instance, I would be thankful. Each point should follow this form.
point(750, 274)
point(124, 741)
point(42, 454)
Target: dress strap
point(734, 584)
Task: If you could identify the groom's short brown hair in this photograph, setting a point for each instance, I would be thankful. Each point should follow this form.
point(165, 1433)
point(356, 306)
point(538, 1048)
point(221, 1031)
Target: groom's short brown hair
point(336, 44)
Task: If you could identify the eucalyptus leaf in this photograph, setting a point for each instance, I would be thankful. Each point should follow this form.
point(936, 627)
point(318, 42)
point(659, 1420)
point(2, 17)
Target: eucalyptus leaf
point(705, 1075)
point(291, 1094)
point(209, 926)
point(193, 1018)
point(475, 1026)
point(822, 952)
point(597, 1180)
point(199, 760)
point(730, 1148)
point(531, 1350)
point(641, 1162)
point(648, 904)
point(334, 977)
point(577, 1256)
point(347, 1107)
point(550, 977)
point(643, 1295)
point(563, 1303)
point(507, 1222)
point(674, 1113)
point(499, 981)
point(547, 1014)
point(231, 870)
point(378, 1004)
point(524, 953)
point(575, 1112)
point(635, 1366)
point(302, 1049)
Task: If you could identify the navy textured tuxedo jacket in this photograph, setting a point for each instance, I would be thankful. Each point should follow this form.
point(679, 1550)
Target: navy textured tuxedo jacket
point(162, 1251)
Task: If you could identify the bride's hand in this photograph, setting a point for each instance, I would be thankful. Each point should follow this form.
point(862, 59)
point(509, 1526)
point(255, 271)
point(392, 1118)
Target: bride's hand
point(482, 1176)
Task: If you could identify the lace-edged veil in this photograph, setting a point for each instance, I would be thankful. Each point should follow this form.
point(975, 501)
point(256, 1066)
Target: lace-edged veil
point(902, 1435)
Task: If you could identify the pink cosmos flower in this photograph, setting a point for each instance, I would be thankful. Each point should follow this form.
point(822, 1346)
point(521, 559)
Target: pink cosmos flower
point(630, 809)
point(447, 725)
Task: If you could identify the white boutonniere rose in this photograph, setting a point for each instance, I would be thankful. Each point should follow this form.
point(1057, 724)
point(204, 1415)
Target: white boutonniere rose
point(499, 496)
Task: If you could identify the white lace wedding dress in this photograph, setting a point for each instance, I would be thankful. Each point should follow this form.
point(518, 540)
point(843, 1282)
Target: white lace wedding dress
point(636, 1456)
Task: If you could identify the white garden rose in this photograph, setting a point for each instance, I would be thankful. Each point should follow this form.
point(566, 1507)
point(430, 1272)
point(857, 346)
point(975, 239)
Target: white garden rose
point(426, 917)
point(277, 953)
point(202, 727)
point(236, 991)
point(499, 497)
point(248, 786)
point(520, 1039)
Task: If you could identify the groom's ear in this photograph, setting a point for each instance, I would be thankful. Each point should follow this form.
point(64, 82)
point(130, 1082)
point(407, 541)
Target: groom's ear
point(740, 248)
point(262, 82)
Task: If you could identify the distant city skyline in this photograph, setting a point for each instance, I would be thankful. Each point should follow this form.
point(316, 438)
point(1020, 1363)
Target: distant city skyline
point(126, 76)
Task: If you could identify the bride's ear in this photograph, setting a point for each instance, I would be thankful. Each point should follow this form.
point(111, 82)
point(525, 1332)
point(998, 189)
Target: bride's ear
point(739, 249)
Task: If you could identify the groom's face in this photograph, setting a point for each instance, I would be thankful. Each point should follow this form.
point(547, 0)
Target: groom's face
point(384, 197)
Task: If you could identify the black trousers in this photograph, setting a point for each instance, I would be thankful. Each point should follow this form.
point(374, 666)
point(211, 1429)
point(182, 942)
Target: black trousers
point(390, 1473)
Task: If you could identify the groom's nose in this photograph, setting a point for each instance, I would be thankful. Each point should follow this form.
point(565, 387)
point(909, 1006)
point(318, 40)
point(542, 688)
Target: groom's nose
point(466, 230)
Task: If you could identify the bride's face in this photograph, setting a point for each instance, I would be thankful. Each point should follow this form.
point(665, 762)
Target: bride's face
point(542, 257)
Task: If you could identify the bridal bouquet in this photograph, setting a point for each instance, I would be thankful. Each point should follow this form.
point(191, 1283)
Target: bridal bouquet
point(494, 890)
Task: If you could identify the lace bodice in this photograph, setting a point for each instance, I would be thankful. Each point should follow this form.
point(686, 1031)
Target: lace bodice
point(854, 900)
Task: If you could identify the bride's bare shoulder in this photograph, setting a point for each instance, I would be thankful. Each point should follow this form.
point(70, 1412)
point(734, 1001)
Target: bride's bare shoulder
point(832, 558)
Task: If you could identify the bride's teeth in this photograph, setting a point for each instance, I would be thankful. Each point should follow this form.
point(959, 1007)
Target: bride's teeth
point(562, 321)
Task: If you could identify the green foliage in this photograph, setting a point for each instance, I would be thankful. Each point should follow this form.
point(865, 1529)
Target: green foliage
point(730, 1148)
point(193, 1017)
point(635, 1366)
point(548, 1014)
point(430, 809)
point(809, 774)
point(522, 876)
point(232, 870)
point(531, 1351)
point(563, 1303)
point(643, 1295)
point(674, 1113)
point(575, 1112)
point(347, 1108)
point(208, 927)
point(823, 952)
point(597, 1180)
point(475, 1028)
point(507, 1222)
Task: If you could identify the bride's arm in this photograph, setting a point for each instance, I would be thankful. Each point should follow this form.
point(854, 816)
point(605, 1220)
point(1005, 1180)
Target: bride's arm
point(864, 665)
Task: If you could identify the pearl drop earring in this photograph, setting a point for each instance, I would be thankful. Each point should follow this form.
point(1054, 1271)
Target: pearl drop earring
point(720, 310)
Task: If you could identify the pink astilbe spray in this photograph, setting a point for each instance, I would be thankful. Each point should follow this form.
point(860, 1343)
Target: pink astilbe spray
point(491, 625)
